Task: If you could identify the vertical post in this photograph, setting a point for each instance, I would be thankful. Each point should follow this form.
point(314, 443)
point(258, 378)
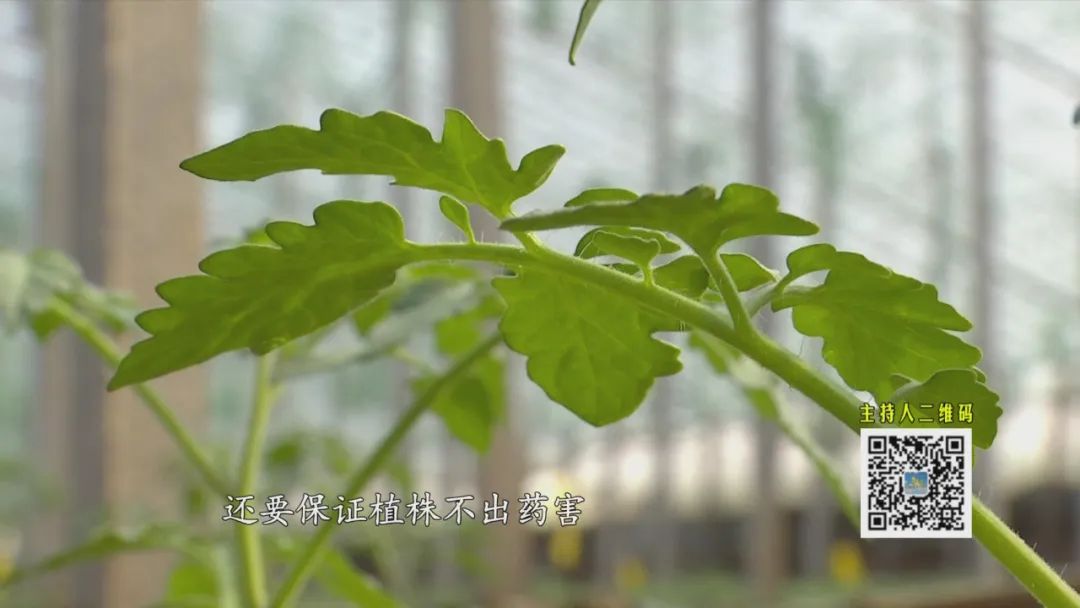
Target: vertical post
point(475, 77)
point(111, 184)
point(981, 156)
point(763, 543)
point(664, 527)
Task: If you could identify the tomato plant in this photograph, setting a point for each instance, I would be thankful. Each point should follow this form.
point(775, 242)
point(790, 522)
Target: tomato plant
point(585, 325)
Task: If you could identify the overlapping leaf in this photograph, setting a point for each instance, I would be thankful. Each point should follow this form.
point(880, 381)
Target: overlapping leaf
point(465, 164)
point(698, 217)
point(950, 388)
point(262, 297)
point(875, 323)
point(588, 350)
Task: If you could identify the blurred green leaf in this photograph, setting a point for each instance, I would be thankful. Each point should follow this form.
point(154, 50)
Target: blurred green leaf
point(112, 542)
point(594, 196)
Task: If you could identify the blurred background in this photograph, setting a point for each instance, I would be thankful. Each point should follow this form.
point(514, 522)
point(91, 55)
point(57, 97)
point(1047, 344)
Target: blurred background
point(932, 136)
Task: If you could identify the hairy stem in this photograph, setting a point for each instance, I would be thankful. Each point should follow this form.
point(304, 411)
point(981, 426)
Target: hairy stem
point(110, 353)
point(312, 553)
point(1022, 562)
point(247, 536)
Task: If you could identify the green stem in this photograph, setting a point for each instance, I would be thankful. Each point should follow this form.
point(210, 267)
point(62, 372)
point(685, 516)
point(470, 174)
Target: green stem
point(312, 553)
point(247, 536)
point(108, 351)
point(1026, 565)
point(729, 291)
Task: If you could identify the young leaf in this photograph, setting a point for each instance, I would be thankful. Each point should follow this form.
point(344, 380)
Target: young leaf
point(588, 8)
point(685, 275)
point(458, 214)
point(593, 244)
point(953, 387)
point(465, 164)
point(746, 271)
point(876, 323)
point(262, 297)
point(589, 351)
point(698, 217)
point(601, 195)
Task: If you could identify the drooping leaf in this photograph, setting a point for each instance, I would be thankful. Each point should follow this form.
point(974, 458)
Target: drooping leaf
point(262, 297)
point(589, 351)
point(698, 217)
point(458, 214)
point(594, 196)
point(952, 387)
point(876, 323)
point(588, 8)
point(465, 164)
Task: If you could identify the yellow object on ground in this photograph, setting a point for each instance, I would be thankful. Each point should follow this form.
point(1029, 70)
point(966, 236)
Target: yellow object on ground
point(846, 563)
point(631, 574)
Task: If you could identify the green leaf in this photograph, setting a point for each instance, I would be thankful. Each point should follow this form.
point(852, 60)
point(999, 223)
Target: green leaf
point(684, 275)
point(876, 323)
point(30, 282)
point(634, 244)
point(465, 164)
point(192, 583)
point(457, 334)
point(601, 195)
point(746, 271)
point(262, 297)
point(472, 405)
point(340, 578)
point(698, 217)
point(458, 214)
point(811, 258)
point(588, 350)
point(588, 8)
point(370, 313)
point(108, 543)
point(952, 386)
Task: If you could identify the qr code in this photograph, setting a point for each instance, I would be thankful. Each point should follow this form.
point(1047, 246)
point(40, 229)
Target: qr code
point(916, 483)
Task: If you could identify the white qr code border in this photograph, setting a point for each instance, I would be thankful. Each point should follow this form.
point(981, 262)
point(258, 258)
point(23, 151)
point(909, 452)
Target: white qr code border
point(864, 489)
